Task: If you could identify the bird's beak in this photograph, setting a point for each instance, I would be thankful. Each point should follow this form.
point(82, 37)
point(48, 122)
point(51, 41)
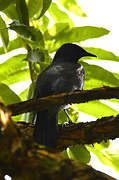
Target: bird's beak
point(90, 54)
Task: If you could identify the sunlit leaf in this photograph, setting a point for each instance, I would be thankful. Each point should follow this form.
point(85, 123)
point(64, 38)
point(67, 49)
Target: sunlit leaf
point(5, 3)
point(58, 15)
point(80, 153)
point(43, 23)
point(96, 109)
point(113, 158)
point(73, 113)
point(116, 75)
point(101, 156)
point(107, 157)
point(56, 30)
point(96, 75)
point(4, 33)
point(19, 75)
point(11, 66)
point(62, 117)
point(22, 11)
point(73, 7)
point(114, 100)
point(17, 118)
point(103, 54)
point(8, 96)
point(77, 34)
point(102, 145)
point(65, 154)
point(15, 44)
point(51, 34)
point(34, 7)
point(23, 94)
point(71, 35)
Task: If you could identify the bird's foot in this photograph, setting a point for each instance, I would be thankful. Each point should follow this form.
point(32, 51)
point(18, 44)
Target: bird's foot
point(67, 124)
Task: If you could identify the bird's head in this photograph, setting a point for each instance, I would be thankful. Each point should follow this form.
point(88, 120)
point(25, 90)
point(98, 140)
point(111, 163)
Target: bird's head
point(71, 52)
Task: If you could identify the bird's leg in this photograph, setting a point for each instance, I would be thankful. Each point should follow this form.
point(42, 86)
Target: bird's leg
point(70, 121)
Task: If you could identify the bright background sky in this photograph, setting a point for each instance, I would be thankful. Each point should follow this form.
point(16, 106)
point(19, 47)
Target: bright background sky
point(102, 13)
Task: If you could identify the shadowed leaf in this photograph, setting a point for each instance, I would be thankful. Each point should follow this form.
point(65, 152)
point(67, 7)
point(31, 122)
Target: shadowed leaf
point(5, 3)
point(35, 7)
point(30, 34)
point(4, 33)
point(22, 12)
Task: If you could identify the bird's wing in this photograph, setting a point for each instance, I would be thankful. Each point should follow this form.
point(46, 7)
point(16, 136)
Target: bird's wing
point(58, 79)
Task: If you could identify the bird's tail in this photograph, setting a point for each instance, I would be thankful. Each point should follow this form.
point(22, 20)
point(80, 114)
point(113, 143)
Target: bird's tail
point(45, 131)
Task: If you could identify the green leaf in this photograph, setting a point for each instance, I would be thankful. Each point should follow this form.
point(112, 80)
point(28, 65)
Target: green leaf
point(102, 145)
point(53, 33)
point(11, 66)
point(11, 12)
point(43, 23)
point(78, 34)
point(114, 100)
point(96, 76)
point(8, 96)
point(54, 38)
point(30, 34)
point(116, 75)
point(46, 5)
point(2, 50)
point(4, 33)
point(72, 112)
point(19, 75)
point(17, 118)
point(58, 15)
point(101, 156)
point(22, 12)
point(62, 117)
point(56, 30)
point(113, 159)
point(96, 109)
point(80, 153)
point(5, 3)
point(15, 44)
point(73, 7)
point(102, 54)
point(107, 157)
point(22, 95)
point(65, 154)
point(35, 7)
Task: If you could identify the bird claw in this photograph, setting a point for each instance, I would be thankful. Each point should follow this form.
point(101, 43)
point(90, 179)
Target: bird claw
point(67, 124)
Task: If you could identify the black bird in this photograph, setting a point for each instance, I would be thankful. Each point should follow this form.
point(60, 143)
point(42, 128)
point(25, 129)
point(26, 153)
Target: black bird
point(64, 74)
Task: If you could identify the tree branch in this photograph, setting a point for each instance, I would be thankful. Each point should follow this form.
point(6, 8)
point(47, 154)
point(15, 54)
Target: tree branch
point(63, 99)
point(26, 161)
point(80, 133)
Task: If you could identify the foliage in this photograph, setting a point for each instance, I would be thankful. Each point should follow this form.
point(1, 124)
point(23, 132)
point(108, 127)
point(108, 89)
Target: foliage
point(31, 20)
